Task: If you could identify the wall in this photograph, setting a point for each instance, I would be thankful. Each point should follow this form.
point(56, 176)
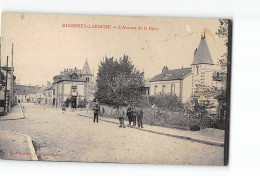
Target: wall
point(167, 88)
point(187, 88)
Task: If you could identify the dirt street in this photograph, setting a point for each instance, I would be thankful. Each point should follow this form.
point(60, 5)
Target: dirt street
point(69, 137)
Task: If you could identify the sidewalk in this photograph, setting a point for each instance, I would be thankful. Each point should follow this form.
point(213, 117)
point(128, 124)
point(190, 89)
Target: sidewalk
point(15, 146)
point(207, 136)
point(15, 113)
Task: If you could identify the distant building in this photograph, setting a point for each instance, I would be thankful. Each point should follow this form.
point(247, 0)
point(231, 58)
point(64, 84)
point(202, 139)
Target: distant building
point(25, 93)
point(191, 82)
point(48, 94)
point(40, 95)
point(73, 84)
point(147, 87)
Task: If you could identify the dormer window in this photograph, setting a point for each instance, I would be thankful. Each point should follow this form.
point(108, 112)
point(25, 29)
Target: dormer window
point(74, 76)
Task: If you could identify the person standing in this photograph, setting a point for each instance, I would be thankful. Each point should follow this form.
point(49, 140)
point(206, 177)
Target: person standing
point(139, 113)
point(121, 115)
point(96, 111)
point(133, 111)
point(63, 107)
point(129, 114)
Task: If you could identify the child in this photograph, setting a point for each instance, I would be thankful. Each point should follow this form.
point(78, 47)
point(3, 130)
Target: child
point(63, 107)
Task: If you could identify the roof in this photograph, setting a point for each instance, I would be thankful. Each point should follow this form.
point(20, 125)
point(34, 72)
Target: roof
point(176, 74)
point(70, 76)
point(202, 54)
point(86, 70)
point(40, 89)
point(25, 90)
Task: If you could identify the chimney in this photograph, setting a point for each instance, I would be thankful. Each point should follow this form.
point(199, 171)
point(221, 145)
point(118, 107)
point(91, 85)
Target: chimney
point(165, 70)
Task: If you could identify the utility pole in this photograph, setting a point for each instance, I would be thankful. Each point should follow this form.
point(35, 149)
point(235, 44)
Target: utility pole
point(5, 109)
point(0, 58)
point(12, 78)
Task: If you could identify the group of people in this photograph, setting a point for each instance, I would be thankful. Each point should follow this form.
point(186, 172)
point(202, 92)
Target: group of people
point(134, 114)
point(63, 107)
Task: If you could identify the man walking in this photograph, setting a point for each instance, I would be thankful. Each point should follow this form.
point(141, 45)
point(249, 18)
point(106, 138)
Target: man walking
point(121, 115)
point(139, 113)
point(133, 112)
point(96, 111)
point(129, 114)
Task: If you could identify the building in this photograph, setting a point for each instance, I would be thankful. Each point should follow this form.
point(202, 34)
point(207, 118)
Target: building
point(191, 82)
point(25, 93)
point(9, 92)
point(73, 84)
point(172, 82)
point(40, 95)
point(48, 94)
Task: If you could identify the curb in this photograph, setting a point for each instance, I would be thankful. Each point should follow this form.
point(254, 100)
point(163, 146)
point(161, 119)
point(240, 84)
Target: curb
point(30, 144)
point(22, 117)
point(32, 149)
point(213, 143)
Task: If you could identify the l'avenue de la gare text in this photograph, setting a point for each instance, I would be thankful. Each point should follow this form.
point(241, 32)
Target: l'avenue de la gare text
point(107, 26)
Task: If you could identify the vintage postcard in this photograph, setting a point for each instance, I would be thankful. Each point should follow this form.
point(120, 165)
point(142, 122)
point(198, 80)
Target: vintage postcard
point(142, 90)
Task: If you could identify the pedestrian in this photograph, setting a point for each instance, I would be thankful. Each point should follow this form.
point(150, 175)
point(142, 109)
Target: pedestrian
point(121, 115)
point(71, 106)
point(129, 115)
point(139, 114)
point(96, 111)
point(133, 114)
point(63, 107)
point(103, 111)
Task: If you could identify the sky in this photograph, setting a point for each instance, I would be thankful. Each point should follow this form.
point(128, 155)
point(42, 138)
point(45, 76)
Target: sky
point(43, 48)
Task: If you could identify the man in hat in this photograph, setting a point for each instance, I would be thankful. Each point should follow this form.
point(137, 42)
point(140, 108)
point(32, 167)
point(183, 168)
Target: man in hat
point(139, 114)
point(96, 111)
point(133, 114)
point(129, 115)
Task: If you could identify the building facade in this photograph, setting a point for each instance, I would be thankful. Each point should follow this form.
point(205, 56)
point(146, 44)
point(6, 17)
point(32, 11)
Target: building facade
point(191, 82)
point(74, 85)
point(25, 93)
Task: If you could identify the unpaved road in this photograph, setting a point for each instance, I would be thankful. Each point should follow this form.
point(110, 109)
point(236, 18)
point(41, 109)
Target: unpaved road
point(68, 137)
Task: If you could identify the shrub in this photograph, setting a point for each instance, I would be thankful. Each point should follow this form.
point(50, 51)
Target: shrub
point(82, 103)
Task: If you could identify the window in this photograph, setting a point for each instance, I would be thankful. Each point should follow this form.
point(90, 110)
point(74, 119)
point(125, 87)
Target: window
point(197, 69)
point(87, 79)
point(172, 89)
point(155, 87)
point(163, 89)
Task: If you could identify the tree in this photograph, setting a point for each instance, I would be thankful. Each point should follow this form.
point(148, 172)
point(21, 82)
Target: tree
point(212, 91)
point(118, 82)
point(223, 33)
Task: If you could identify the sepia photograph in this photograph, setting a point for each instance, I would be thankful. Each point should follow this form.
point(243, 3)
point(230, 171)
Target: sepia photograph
point(115, 89)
